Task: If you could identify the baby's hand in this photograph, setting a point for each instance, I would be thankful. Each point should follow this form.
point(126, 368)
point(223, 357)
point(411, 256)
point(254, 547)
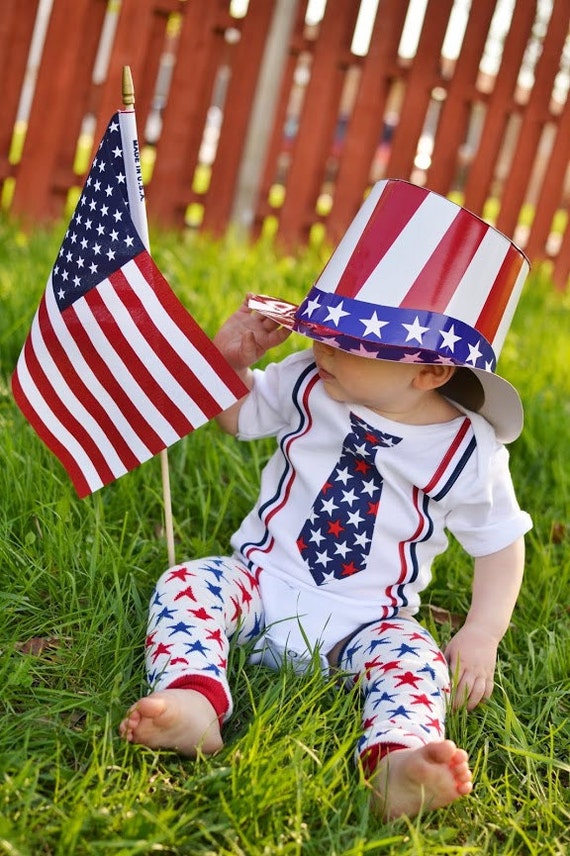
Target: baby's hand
point(245, 337)
point(472, 655)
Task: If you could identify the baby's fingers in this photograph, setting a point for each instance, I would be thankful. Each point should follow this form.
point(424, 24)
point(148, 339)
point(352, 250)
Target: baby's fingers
point(471, 691)
point(277, 336)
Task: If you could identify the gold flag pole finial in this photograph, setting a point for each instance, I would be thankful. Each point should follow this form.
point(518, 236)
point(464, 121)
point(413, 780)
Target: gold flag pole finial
point(128, 87)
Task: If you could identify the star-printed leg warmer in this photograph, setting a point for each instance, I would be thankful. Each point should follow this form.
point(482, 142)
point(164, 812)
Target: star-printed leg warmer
point(405, 682)
point(196, 608)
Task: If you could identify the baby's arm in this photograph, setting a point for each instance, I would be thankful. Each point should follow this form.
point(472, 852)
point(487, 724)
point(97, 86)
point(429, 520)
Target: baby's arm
point(472, 652)
point(243, 339)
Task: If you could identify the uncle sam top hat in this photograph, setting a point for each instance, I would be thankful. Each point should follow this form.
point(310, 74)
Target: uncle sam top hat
point(417, 278)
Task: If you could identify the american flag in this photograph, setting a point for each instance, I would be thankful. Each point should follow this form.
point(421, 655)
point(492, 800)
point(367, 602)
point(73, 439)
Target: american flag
point(114, 369)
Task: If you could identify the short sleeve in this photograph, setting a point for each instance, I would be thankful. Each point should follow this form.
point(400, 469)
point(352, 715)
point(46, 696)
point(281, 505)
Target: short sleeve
point(487, 517)
point(269, 406)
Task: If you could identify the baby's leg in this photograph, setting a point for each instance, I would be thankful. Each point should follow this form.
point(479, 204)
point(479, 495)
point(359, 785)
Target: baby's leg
point(405, 683)
point(195, 609)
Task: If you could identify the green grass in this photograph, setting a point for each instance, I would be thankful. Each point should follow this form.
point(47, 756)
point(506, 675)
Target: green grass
point(75, 576)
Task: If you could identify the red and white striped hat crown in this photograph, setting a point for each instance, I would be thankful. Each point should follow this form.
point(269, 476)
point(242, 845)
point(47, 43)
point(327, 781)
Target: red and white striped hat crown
point(417, 278)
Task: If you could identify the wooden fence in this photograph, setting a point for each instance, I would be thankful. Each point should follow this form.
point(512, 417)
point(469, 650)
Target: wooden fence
point(276, 116)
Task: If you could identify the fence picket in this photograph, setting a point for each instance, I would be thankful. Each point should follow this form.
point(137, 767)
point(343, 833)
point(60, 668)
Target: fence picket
point(339, 120)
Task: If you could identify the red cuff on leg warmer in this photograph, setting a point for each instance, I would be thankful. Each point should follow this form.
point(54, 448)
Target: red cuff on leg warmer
point(372, 756)
point(210, 688)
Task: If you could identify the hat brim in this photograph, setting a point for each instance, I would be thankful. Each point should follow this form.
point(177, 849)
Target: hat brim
point(502, 406)
point(281, 311)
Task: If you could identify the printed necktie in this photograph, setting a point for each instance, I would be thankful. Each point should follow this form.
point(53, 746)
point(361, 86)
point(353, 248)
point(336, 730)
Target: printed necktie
point(335, 539)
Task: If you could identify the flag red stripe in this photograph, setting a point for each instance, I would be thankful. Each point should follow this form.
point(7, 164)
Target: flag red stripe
point(437, 281)
point(64, 415)
point(177, 366)
point(108, 323)
point(83, 393)
point(379, 234)
point(186, 322)
point(54, 445)
point(104, 375)
point(498, 297)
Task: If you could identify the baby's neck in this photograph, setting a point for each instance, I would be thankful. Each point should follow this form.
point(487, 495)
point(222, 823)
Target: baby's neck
point(430, 408)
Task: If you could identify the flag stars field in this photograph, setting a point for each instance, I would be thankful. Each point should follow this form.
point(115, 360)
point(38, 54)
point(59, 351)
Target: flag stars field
point(106, 198)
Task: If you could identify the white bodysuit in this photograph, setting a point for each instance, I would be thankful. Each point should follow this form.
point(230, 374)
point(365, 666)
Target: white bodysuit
point(450, 476)
point(352, 510)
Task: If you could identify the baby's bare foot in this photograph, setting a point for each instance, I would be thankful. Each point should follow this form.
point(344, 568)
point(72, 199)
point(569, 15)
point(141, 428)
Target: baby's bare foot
point(178, 719)
point(409, 780)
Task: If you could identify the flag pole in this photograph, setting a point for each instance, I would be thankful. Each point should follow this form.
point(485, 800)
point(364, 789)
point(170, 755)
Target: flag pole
point(129, 105)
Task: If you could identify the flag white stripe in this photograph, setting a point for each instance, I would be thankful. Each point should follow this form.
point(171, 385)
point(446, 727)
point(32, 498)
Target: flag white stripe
point(399, 268)
point(135, 189)
point(179, 340)
point(121, 372)
point(469, 298)
point(84, 370)
point(68, 398)
point(149, 356)
point(54, 425)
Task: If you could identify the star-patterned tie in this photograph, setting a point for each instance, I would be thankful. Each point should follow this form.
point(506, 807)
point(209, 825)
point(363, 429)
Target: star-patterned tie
point(335, 539)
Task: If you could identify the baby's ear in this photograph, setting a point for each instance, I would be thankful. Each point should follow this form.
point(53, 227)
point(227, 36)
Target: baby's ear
point(432, 377)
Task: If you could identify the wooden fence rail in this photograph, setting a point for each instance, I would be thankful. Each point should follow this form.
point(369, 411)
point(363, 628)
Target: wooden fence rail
point(277, 115)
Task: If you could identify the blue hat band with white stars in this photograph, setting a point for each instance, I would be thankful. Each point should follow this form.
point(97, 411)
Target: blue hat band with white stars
point(372, 330)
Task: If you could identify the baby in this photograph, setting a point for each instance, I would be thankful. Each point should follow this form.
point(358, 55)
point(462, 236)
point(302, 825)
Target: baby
point(390, 433)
